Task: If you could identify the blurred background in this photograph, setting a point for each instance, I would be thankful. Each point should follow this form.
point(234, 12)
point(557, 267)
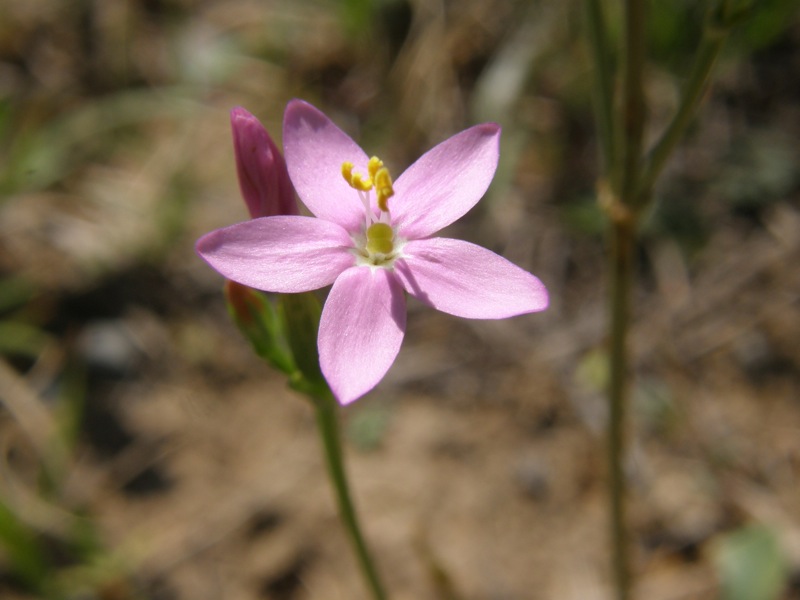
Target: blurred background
point(147, 454)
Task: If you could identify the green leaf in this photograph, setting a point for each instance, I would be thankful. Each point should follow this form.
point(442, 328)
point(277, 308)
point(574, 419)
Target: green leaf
point(592, 371)
point(750, 564)
point(356, 15)
point(14, 292)
point(22, 548)
point(21, 339)
point(768, 20)
point(41, 154)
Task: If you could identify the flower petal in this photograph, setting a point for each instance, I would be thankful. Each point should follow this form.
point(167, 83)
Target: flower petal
point(445, 182)
point(263, 177)
point(279, 254)
point(361, 329)
point(468, 281)
point(315, 149)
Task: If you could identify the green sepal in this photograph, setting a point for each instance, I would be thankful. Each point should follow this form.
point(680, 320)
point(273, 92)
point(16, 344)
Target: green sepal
point(262, 324)
point(301, 314)
point(282, 330)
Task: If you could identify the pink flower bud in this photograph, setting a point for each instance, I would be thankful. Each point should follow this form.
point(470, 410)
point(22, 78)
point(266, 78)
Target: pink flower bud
point(263, 177)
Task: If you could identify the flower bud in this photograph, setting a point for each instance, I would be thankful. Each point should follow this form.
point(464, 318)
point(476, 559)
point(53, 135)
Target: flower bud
point(263, 177)
point(255, 316)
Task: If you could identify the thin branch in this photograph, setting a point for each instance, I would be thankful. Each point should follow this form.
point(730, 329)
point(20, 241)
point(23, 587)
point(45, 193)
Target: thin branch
point(604, 82)
point(633, 104)
point(713, 40)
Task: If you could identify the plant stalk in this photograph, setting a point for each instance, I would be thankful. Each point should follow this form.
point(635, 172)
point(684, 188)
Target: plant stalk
point(328, 424)
point(632, 177)
point(633, 105)
point(696, 85)
point(603, 82)
point(625, 179)
point(621, 254)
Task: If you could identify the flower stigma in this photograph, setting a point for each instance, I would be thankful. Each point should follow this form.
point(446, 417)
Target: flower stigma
point(378, 246)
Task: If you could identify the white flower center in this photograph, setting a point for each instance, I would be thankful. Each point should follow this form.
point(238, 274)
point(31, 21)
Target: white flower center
point(378, 244)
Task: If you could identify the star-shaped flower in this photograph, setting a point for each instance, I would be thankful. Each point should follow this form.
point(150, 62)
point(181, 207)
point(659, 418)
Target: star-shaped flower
point(374, 248)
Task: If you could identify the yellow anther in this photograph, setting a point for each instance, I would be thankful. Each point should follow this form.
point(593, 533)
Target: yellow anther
point(373, 166)
point(347, 171)
point(355, 180)
point(358, 183)
point(383, 188)
point(379, 178)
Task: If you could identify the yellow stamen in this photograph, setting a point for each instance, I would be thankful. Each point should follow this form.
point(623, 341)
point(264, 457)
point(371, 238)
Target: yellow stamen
point(379, 178)
point(358, 183)
point(347, 171)
point(373, 166)
point(355, 180)
point(383, 188)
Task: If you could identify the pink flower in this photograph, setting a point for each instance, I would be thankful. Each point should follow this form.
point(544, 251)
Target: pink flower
point(263, 178)
point(375, 247)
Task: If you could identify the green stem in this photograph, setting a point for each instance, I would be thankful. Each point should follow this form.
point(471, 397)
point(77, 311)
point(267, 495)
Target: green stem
point(631, 189)
point(623, 234)
point(696, 85)
point(633, 105)
point(621, 269)
point(604, 86)
point(328, 424)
